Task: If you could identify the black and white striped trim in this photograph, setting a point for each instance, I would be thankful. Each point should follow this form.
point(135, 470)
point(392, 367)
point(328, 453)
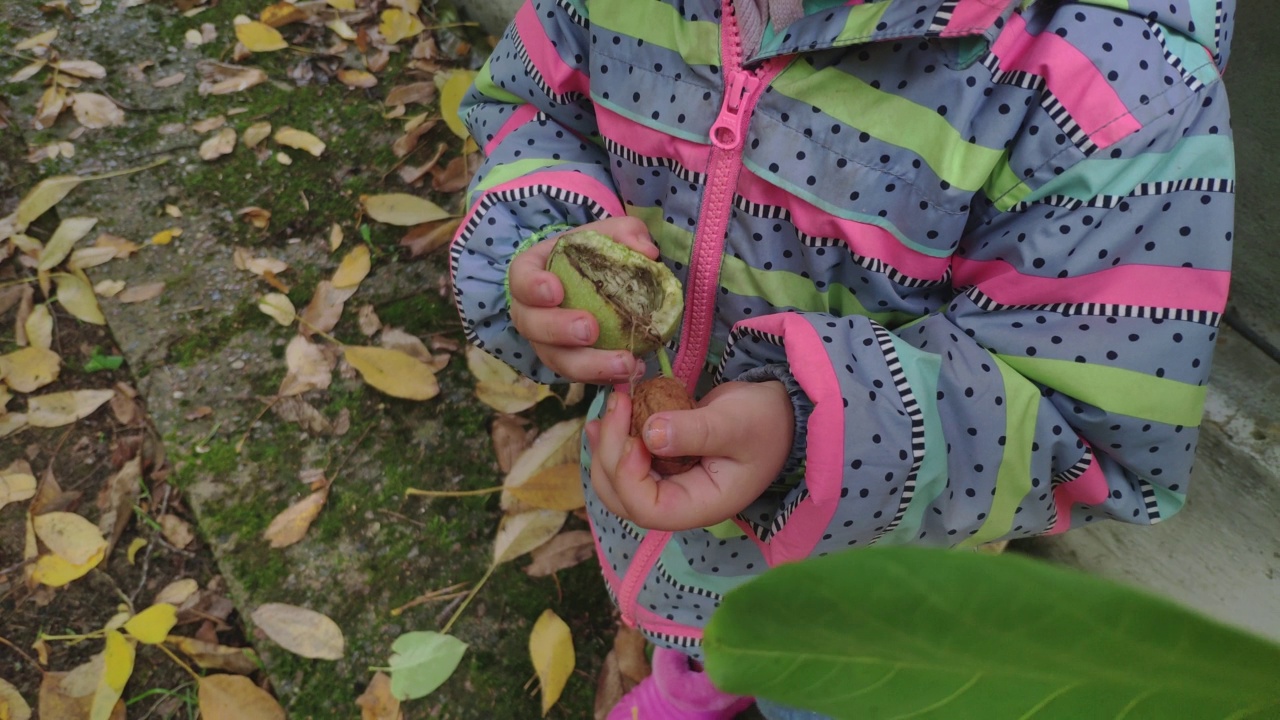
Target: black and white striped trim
point(1149, 500)
point(1076, 470)
point(522, 54)
point(730, 347)
point(1202, 317)
point(914, 413)
point(763, 533)
point(1174, 61)
point(1017, 78)
point(776, 212)
point(670, 640)
point(942, 18)
point(576, 17)
point(1217, 33)
point(631, 156)
point(1067, 124)
point(1107, 202)
point(667, 578)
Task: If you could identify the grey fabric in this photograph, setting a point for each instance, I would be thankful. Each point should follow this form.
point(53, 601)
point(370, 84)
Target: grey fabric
point(754, 15)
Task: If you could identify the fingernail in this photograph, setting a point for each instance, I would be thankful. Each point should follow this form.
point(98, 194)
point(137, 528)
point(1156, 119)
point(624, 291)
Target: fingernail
point(581, 330)
point(657, 434)
point(621, 366)
point(613, 401)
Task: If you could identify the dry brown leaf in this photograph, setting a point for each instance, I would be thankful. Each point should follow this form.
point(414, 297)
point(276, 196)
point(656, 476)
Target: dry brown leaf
point(256, 133)
point(521, 533)
point(357, 78)
point(51, 104)
point(377, 702)
point(367, 320)
point(117, 498)
point(243, 259)
point(296, 410)
point(455, 176)
point(96, 111)
point(309, 368)
point(141, 293)
point(397, 339)
point(422, 93)
point(30, 368)
point(281, 14)
point(14, 707)
point(233, 697)
point(209, 124)
point(64, 408)
point(54, 702)
point(300, 631)
point(220, 144)
point(407, 142)
point(259, 218)
point(124, 408)
point(292, 523)
point(86, 69)
point(176, 530)
point(123, 248)
point(325, 308)
point(69, 536)
point(424, 238)
point(169, 80)
point(212, 656)
point(223, 79)
point(300, 139)
point(177, 592)
point(511, 434)
point(624, 667)
point(561, 552)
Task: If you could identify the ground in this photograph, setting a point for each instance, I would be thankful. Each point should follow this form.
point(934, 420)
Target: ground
point(203, 343)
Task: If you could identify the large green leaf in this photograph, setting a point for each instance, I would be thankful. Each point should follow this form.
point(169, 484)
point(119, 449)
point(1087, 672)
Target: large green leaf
point(422, 662)
point(932, 634)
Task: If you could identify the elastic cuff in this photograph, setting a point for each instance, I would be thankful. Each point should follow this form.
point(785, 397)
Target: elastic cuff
point(525, 244)
point(800, 402)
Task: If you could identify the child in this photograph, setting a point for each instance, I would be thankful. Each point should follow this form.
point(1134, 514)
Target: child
point(954, 270)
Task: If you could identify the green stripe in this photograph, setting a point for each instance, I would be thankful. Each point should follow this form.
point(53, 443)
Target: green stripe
point(1013, 480)
point(486, 86)
point(893, 119)
point(1197, 156)
point(1116, 390)
point(698, 42)
point(1117, 4)
point(1202, 13)
point(677, 566)
point(1004, 187)
point(861, 22)
point(922, 370)
point(776, 287)
point(1191, 53)
point(511, 171)
point(1168, 502)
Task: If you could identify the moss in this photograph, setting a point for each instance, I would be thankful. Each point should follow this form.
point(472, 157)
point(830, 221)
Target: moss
point(419, 314)
point(211, 337)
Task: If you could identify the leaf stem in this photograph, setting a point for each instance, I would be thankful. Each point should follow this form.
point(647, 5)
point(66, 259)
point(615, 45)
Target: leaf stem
point(474, 590)
point(176, 659)
point(452, 493)
point(129, 171)
point(18, 650)
point(665, 363)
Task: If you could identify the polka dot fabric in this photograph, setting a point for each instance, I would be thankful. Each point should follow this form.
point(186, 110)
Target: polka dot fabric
point(989, 239)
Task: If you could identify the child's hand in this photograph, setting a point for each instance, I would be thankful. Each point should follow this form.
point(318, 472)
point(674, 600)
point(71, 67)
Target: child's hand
point(562, 338)
point(741, 430)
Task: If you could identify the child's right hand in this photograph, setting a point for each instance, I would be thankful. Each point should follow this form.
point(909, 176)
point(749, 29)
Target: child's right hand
point(562, 338)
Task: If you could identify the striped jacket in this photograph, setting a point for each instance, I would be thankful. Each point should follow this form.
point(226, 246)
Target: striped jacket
point(989, 239)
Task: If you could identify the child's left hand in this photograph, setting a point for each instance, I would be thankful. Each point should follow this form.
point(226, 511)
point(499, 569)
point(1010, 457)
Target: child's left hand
point(742, 431)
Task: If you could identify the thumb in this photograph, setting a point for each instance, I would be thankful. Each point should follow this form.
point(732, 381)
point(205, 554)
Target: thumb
point(704, 431)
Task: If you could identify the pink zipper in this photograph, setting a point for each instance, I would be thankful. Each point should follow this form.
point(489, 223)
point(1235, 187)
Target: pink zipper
point(742, 90)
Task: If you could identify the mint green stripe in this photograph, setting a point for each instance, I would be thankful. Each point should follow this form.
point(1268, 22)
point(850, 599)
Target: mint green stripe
point(486, 86)
point(845, 213)
point(1197, 156)
point(1168, 502)
point(922, 370)
point(659, 23)
point(677, 566)
point(726, 530)
point(1192, 54)
point(893, 119)
point(1202, 13)
point(511, 171)
point(778, 288)
point(1013, 480)
point(1117, 4)
point(648, 122)
point(1117, 390)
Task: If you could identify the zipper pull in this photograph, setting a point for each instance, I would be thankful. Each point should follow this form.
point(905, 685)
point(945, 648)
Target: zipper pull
point(725, 132)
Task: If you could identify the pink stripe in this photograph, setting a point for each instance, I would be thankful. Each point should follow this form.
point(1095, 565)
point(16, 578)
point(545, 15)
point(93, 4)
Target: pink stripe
point(1071, 77)
point(645, 140)
point(559, 75)
point(1089, 489)
point(658, 624)
point(522, 115)
point(862, 238)
point(1135, 285)
point(824, 457)
point(972, 15)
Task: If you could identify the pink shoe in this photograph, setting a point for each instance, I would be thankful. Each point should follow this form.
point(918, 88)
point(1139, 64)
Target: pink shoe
point(676, 691)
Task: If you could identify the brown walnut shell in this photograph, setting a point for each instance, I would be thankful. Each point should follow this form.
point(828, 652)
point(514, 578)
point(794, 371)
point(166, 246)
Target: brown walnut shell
point(657, 395)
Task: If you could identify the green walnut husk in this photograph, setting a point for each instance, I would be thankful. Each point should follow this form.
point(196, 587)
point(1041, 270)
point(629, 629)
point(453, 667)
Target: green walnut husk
point(636, 301)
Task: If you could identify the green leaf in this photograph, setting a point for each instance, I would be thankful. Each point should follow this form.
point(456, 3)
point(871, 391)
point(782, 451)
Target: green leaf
point(935, 634)
point(422, 662)
point(103, 362)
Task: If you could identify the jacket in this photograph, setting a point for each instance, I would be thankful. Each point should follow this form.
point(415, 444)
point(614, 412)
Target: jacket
point(988, 240)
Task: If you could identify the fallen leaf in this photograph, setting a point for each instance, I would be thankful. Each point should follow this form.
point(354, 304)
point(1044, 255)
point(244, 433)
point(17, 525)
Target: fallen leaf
point(624, 667)
point(422, 93)
point(11, 423)
point(218, 145)
point(193, 38)
point(563, 551)
point(398, 25)
point(309, 368)
point(451, 93)
point(17, 483)
point(342, 4)
point(521, 533)
point(260, 37)
point(234, 697)
point(177, 592)
point(284, 159)
point(325, 308)
point(257, 217)
point(367, 320)
point(30, 368)
point(176, 530)
point(424, 238)
point(559, 445)
point(75, 294)
point(172, 210)
point(402, 209)
point(123, 248)
point(421, 661)
point(341, 29)
point(281, 14)
point(82, 258)
point(68, 233)
point(256, 133)
point(38, 43)
point(223, 79)
point(209, 124)
point(169, 80)
point(511, 435)
point(54, 702)
point(39, 199)
point(152, 626)
point(96, 111)
point(377, 702)
point(456, 175)
point(406, 143)
point(117, 498)
point(69, 536)
point(279, 307)
point(551, 649)
point(335, 237)
point(54, 571)
point(64, 408)
point(555, 488)
point(296, 410)
point(141, 293)
point(260, 266)
point(13, 707)
point(300, 631)
point(502, 388)
point(212, 656)
point(357, 78)
point(164, 237)
point(131, 554)
point(353, 268)
point(393, 372)
point(397, 339)
point(50, 105)
point(87, 69)
point(292, 523)
point(300, 139)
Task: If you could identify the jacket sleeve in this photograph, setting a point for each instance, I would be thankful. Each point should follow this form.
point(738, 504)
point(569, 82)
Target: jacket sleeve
point(530, 112)
point(1062, 384)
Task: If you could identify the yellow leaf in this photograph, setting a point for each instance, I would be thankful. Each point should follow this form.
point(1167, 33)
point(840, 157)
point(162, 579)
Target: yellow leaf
point(69, 232)
point(88, 257)
point(402, 209)
point(557, 445)
point(217, 145)
point(54, 571)
point(132, 553)
point(123, 248)
point(39, 327)
point(164, 237)
point(13, 707)
point(300, 631)
point(357, 78)
point(96, 111)
point(335, 237)
point(342, 29)
point(301, 140)
point(398, 25)
point(377, 702)
point(342, 4)
point(256, 133)
point(64, 408)
point(393, 372)
point(292, 523)
point(16, 484)
point(451, 99)
point(69, 536)
point(520, 533)
point(118, 666)
point(152, 626)
point(232, 697)
point(50, 105)
point(502, 388)
point(212, 656)
point(109, 288)
point(76, 295)
point(44, 195)
point(281, 14)
point(87, 69)
point(37, 41)
point(27, 71)
point(353, 269)
point(11, 423)
point(551, 649)
point(30, 368)
point(555, 488)
point(260, 37)
point(279, 307)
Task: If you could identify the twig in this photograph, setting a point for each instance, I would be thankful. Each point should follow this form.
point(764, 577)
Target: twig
point(245, 437)
point(332, 478)
point(19, 566)
point(449, 593)
point(467, 601)
point(405, 518)
point(18, 650)
point(452, 493)
point(146, 558)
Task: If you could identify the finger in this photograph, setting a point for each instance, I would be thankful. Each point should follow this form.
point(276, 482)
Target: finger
point(705, 431)
point(598, 367)
point(610, 439)
point(530, 282)
point(628, 231)
point(600, 481)
point(554, 326)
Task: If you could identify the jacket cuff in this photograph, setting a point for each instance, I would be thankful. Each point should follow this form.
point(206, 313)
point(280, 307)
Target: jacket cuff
point(802, 406)
point(525, 244)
